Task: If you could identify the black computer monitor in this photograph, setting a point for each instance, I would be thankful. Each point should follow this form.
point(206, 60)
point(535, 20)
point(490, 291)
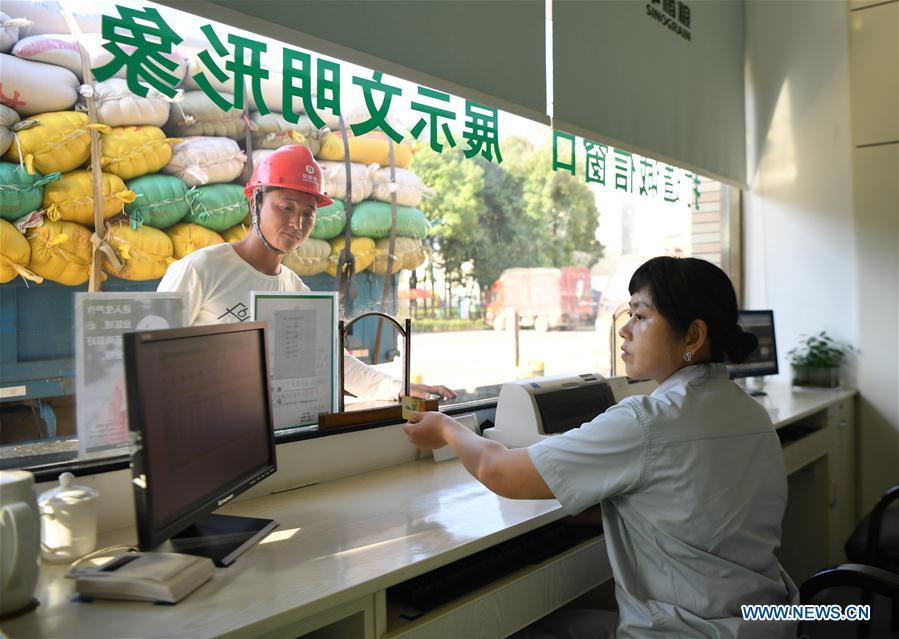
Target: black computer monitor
point(763, 360)
point(199, 411)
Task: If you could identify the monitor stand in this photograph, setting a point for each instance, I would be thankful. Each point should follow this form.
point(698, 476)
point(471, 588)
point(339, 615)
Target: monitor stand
point(222, 538)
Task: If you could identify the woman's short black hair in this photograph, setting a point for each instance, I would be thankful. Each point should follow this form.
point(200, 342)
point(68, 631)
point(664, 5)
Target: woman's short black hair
point(684, 289)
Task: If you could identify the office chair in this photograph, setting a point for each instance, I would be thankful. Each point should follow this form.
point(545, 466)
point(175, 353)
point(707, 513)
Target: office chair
point(875, 542)
point(873, 550)
point(866, 578)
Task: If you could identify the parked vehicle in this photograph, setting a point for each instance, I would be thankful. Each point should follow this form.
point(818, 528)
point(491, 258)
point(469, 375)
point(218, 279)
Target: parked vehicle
point(545, 298)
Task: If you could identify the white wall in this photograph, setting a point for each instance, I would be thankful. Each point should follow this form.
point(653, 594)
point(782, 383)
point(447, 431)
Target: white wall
point(874, 77)
point(819, 239)
point(799, 251)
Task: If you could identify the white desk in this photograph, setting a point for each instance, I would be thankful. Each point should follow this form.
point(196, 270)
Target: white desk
point(355, 537)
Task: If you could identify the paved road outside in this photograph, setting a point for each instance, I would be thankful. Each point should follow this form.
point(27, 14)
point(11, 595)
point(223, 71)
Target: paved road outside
point(467, 359)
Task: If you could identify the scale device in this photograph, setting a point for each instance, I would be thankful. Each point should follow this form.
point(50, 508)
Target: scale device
point(529, 410)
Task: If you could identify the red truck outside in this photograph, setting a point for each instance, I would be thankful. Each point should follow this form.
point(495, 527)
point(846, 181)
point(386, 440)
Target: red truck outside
point(545, 298)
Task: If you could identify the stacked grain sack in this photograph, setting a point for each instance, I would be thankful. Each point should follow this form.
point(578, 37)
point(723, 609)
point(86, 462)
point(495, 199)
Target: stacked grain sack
point(31, 88)
point(229, 213)
point(175, 167)
point(207, 159)
point(47, 163)
point(52, 140)
point(371, 196)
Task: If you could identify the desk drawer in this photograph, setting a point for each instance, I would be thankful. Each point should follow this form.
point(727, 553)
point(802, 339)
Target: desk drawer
point(803, 451)
point(511, 603)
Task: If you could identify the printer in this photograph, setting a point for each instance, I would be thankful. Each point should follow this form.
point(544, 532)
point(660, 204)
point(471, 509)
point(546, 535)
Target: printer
point(529, 410)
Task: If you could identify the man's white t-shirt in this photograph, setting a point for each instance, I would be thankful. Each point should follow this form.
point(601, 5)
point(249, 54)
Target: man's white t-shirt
point(693, 488)
point(218, 283)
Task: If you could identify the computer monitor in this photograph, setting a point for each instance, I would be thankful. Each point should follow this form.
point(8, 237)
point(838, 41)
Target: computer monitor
point(199, 411)
point(763, 360)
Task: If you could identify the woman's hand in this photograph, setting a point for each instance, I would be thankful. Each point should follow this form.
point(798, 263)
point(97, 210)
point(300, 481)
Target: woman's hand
point(424, 391)
point(426, 430)
point(509, 473)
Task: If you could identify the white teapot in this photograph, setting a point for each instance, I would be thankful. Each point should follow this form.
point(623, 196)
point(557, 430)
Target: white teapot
point(19, 525)
point(69, 520)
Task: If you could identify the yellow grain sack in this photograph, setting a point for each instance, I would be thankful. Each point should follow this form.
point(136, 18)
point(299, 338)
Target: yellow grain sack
point(414, 256)
point(132, 151)
point(331, 148)
point(58, 141)
point(310, 258)
point(15, 253)
point(188, 238)
point(145, 253)
point(379, 264)
point(72, 197)
point(373, 148)
point(61, 252)
point(407, 254)
point(362, 248)
point(237, 233)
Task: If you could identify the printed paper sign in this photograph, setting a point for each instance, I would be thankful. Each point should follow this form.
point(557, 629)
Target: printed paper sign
point(302, 347)
point(101, 408)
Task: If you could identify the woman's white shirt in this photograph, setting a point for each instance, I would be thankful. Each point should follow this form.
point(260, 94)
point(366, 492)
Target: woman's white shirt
point(693, 488)
point(218, 283)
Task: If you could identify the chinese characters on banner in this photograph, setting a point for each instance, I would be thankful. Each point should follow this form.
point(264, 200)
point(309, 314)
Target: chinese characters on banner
point(141, 41)
point(620, 170)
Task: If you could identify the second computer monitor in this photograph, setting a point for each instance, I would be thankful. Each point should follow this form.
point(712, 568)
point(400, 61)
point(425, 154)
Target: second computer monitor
point(763, 360)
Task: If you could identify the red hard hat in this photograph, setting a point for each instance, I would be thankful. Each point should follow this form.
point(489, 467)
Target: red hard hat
point(289, 167)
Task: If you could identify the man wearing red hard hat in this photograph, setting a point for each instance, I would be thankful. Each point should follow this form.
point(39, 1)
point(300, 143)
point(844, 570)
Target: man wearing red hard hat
point(284, 192)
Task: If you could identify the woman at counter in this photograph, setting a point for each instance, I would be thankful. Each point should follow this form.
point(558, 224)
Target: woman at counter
point(691, 478)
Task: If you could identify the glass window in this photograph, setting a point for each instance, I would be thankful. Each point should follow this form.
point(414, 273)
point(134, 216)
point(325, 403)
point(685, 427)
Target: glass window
point(510, 245)
point(554, 249)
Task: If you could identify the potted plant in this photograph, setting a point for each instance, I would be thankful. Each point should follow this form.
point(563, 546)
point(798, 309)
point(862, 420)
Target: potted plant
point(817, 359)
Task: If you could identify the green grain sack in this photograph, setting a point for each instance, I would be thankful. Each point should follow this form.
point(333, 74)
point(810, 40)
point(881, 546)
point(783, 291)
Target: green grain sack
point(218, 206)
point(329, 221)
point(21, 193)
point(162, 200)
point(372, 219)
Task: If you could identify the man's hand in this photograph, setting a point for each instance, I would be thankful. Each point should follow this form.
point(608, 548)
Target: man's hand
point(424, 391)
point(426, 430)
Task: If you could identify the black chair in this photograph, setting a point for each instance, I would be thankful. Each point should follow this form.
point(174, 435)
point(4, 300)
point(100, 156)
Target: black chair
point(868, 579)
point(875, 541)
point(873, 550)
